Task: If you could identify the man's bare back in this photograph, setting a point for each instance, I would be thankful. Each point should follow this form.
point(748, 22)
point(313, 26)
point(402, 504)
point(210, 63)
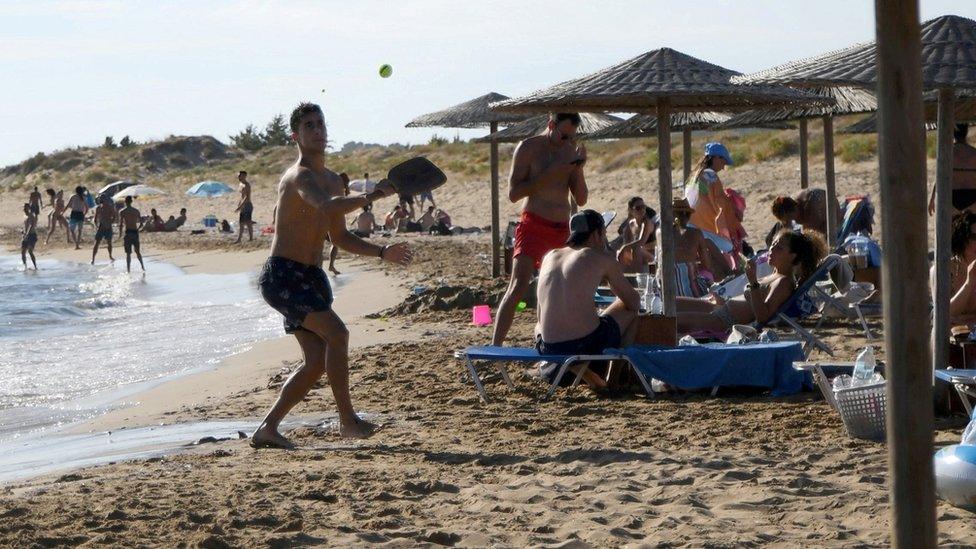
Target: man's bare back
point(567, 281)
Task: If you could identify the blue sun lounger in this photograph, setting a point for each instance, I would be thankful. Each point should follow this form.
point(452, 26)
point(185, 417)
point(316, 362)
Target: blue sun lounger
point(964, 382)
point(498, 356)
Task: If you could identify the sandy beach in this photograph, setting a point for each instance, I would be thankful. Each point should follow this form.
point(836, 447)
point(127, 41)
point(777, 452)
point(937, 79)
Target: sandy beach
point(682, 470)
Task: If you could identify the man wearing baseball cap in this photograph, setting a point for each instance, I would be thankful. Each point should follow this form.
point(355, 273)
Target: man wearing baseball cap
point(568, 278)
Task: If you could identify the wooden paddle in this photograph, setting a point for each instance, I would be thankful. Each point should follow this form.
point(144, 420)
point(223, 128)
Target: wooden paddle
point(415, 176)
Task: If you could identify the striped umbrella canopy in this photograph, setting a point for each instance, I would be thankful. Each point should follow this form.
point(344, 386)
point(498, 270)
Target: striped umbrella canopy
point(209, 189)
point(138, 190)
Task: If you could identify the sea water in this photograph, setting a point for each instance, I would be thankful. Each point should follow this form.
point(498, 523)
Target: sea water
point(76, 339)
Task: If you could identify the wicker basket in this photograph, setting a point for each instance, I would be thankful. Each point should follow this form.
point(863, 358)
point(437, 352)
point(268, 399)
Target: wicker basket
point(862, 409)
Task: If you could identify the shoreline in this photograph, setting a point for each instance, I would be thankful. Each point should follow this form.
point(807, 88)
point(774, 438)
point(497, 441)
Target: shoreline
point(178, 399)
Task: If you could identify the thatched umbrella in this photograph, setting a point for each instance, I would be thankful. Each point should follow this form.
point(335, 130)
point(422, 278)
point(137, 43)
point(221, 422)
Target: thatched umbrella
point(899, 65)
point(964, 111)
point(848, 100)
point(658, 82)
point(476, 114)
point(645, 125)
point(589, 123)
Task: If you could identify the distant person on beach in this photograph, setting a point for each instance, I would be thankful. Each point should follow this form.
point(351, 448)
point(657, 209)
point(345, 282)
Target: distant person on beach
point(30, 236)
point(76, 219)
point(793, 257)
point(153, 222)
point(130, 220)
point(807, 208)
point(105, 218)
point(246, 209)
point(365, 222)
point(691, 254)
point(714, 211)
point(35, 201)
point(311, 204)
point(427, 220)
point(406, 202)
point(58, 219)
point(334, 250)
point(174, 223)
point(567, 280)
point(962, 270)
point(395, 218)
point(547, 170)
point(963, 173)
point(225, 226)
point(637, 237)
point(50, 204)
point(427, 196)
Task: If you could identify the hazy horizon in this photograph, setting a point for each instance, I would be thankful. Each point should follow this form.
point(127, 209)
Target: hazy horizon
point(91, 68)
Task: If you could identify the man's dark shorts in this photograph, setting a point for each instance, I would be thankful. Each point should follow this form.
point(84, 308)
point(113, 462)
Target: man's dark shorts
point(246, 211)
point(104, 233)
point(130, 240)
point(294, 289)
point(29, 240)
point(36, 209)
point(605, 336)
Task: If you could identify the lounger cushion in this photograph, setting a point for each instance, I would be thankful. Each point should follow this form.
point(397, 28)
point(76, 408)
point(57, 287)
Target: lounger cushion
point(717, 364)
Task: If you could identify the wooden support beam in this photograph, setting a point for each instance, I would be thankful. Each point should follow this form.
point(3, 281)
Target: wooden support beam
point(904, 231)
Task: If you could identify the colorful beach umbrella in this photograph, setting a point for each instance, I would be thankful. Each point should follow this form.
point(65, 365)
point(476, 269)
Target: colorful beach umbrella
point(138, 190)
point(115, 187)
point(209, 189)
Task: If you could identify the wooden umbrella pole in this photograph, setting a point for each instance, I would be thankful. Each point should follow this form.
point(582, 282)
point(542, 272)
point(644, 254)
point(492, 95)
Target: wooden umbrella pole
point(804, 159)
point(943, 190)
point(666, 263)
point(495, 229)
point(686, 152)
point(904, 220)
point(828, 131)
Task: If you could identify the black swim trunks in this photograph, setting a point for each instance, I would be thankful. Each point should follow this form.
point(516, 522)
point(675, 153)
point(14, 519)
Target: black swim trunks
point(104, 233)
point(36, 209)
point(294, 289)
point(606, 335)
point(130, 240)
point(246, 211)
point(29, 240)
point(77, 218)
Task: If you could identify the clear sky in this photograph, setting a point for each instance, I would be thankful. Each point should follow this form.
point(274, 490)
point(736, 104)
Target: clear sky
point(76, 71)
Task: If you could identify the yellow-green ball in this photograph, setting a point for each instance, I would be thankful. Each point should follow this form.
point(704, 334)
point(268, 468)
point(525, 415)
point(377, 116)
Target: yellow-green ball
point(386, 71)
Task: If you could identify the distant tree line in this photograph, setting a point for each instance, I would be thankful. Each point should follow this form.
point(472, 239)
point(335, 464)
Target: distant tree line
point(124, 143)
point(275, 134)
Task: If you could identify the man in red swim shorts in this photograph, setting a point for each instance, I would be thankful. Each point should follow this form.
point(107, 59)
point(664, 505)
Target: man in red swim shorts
point(546, 170)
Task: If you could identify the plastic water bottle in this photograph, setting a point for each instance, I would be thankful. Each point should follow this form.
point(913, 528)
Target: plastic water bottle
point(864, 367)
point(656, 305)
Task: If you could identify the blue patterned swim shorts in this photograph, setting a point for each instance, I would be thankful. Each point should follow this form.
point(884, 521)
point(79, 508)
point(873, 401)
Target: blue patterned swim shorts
point(294, 289)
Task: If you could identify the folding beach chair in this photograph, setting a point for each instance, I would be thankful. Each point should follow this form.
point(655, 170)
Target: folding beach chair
point(795, 307)
point(964, 382)
point(498, 356)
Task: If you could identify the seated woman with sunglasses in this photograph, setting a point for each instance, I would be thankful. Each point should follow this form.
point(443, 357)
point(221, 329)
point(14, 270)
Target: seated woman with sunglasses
point(637, 234)
point(793, 257)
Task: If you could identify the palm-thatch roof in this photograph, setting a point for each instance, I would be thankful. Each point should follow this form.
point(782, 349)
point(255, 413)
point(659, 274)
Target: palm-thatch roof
point(948, 61)
point(637, 84)
point(645, 125)
point(964, 110)
point(589, 123)
point(847, 100)
point(470, 114)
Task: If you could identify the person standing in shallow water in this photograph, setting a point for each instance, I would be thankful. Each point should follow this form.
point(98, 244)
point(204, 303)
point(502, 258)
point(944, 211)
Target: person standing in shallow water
point(246, 209)
point(129, 221)
point(76, 219)
point(312, 205)
point(30, 236)
point(105, 216)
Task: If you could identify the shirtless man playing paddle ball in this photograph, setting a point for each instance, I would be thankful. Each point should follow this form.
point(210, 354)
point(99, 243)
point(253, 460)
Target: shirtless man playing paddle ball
point(312, 205)
point(546, 170)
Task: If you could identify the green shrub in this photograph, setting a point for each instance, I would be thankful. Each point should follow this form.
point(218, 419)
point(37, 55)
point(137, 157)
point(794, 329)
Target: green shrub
point(858, 148)
point(776, 147)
